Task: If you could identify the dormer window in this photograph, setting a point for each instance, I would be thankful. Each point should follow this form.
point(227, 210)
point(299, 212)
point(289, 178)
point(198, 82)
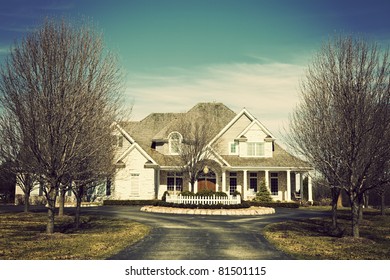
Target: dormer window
point(175, 140)
point(233, 148)
point(255, 149)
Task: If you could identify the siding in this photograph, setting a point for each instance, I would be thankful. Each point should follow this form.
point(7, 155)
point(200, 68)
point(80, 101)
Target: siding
point(134, 181)
point(125, 145)
point(232, 133)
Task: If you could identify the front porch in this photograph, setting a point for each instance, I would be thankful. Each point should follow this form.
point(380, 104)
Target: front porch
point(283, 184)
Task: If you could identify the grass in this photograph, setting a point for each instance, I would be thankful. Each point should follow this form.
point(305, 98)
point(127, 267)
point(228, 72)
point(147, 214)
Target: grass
point(311, 239)
point(23, 237)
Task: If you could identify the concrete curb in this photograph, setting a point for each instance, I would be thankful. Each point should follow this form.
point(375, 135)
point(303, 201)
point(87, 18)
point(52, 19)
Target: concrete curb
point(252, 211)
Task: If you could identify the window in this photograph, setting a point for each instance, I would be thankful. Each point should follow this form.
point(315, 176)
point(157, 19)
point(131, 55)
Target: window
point(233, 148)
point(232, 182)
point(134, 184)
point(175, 181)
point(253, 181)
point(274, 184)
point(175, 140)
point(255, 149)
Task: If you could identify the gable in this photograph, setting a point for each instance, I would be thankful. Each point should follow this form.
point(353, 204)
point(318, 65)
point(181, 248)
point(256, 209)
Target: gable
point(231, 133)
point(253, 133)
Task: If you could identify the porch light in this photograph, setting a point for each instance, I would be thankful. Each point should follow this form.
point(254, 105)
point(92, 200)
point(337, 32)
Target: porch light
point(205, 170)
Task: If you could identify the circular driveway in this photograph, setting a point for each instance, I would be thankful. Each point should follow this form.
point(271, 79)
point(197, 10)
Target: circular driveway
point(195, 237)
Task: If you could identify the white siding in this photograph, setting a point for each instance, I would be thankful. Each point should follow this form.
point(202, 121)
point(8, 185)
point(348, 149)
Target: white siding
point(268, 149)
point(255, 134)
point(134, 181)
point(231, 134)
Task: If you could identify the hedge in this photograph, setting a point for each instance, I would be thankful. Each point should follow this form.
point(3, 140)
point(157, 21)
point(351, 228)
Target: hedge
point(203, 206)
point(274, 204)
point(130, 202)
point(244, 204)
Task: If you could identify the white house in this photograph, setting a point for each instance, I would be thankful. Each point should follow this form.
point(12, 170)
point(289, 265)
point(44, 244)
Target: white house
point(248, 154)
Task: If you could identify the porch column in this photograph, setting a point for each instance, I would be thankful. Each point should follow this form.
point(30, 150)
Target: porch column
point(309, 189)
point(266, 179)
point(288, 197)
point(223, 180)
point(156, 182)
point(245, 184)
point(196, 186)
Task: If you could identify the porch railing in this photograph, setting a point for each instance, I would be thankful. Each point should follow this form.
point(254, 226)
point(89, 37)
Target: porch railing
point(225, 200)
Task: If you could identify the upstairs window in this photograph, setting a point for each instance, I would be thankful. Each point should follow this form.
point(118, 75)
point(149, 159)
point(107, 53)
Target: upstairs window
point(175, 140)
point(233, 148)
point(255, 149)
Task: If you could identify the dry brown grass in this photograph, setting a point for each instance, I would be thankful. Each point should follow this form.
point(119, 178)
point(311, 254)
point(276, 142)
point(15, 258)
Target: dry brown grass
point(22, 237)
point(311, 239)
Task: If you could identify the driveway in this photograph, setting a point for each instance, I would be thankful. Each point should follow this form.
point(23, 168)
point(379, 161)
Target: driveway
point(195, 237)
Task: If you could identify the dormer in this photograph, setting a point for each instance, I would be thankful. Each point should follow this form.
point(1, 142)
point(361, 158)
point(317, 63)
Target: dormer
point(174, 142)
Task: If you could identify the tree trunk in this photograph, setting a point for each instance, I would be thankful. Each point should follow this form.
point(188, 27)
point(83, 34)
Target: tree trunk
point(361, 206)
point(51, 204)
point(335, 199)
point(61, 202)
point(355, 217)
point(192, 185)
point(383, 206)
point(77, 215)
point(26, 202)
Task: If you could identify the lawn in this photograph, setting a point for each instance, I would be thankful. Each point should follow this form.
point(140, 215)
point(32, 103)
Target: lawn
point(310, 239)
point(23, 237)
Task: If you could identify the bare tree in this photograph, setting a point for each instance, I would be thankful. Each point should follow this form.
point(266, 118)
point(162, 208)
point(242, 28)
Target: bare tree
point(193, 143)
point(342, 123)
point(17, 157)
point(58, 84)
point(96, 167)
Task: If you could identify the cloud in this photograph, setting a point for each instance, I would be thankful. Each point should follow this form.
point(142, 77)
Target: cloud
point(269, 91)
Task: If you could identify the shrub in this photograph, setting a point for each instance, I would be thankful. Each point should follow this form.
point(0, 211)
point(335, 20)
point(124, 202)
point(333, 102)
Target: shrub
point(129, 202)
point(221, 194)
point(263, 195)
point(205, 193)
point(164, 196)
point(235, 193)
point(275, 204)
point(206, 206)
point(37, 200)
point(187, 193)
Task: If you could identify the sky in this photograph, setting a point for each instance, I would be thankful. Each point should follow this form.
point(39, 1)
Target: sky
point(176, 53)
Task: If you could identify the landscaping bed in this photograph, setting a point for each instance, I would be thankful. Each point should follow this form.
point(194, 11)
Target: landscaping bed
point(315, 239)
point(23, 237)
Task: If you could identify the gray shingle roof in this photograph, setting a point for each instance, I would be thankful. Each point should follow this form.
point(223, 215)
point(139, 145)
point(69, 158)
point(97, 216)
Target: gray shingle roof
point(281, 158)
point(157, 126)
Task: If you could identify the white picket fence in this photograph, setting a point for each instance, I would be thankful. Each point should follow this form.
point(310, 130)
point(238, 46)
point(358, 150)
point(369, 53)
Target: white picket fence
point(225, 200)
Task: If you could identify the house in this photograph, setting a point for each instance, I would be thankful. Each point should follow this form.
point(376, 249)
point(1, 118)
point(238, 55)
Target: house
point(247, 155)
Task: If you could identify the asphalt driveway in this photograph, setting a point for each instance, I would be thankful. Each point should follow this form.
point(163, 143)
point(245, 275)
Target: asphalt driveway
point(195, 237)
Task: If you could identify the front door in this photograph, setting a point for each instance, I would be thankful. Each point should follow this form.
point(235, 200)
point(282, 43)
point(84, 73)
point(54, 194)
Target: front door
point(207, 181)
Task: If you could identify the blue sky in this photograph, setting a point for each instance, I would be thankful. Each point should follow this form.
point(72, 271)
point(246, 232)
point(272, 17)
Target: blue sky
point(176, 53)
